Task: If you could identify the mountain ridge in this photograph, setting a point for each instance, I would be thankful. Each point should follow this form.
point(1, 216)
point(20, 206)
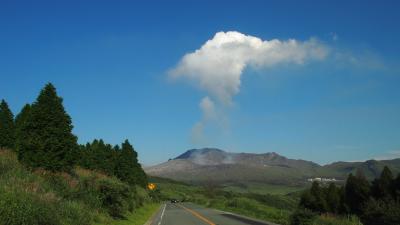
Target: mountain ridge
point(205, 164)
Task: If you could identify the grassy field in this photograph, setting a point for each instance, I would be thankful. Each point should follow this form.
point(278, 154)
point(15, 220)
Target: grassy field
point(259, 188)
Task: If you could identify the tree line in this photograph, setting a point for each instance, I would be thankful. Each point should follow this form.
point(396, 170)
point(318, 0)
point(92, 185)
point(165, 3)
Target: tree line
point(41, 134)
point(375, 203)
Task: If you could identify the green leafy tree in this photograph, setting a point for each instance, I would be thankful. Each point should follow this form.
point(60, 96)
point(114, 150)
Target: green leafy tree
point(46, 138)
point(357, 191)
point(7, 127)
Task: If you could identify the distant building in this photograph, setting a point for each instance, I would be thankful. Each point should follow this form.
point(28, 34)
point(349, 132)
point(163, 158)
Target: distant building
point(322, 179)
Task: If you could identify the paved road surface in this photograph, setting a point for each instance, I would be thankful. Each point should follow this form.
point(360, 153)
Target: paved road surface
point(191, 214)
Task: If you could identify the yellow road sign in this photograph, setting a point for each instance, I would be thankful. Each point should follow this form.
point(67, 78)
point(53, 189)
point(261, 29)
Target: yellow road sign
point(151, 186)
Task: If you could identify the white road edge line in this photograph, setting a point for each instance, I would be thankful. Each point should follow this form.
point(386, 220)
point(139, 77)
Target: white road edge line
point(162, 214)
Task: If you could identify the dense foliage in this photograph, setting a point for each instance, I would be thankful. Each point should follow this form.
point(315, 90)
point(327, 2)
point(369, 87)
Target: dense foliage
point(376, 203)
point(120, 162)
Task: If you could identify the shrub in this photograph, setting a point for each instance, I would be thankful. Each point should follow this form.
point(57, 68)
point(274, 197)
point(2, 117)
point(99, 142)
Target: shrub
point(302, 217)
point(381, 212)
point(115, 197)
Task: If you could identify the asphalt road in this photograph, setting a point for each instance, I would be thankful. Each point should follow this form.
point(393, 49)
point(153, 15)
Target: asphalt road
point(191, 214)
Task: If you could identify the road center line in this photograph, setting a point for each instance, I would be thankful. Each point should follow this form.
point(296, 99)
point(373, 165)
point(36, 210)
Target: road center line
point(162, 214)
point(196, 214)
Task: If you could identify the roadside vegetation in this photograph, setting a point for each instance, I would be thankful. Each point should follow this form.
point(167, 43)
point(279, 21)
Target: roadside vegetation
point(46, 178)
point(376, 202)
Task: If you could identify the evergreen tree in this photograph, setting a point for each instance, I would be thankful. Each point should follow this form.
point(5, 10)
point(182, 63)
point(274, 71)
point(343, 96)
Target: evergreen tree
point(20, 120)
point(7, 127)
point(98, 156)
point(357, 192)
point(333, 198)
point(383, 186)
point(314, 199)
point(46, 138)
point(396, 187)
point(128, 168)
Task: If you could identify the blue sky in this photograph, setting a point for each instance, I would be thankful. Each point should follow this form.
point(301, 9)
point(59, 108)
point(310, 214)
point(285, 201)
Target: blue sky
point(112, 63)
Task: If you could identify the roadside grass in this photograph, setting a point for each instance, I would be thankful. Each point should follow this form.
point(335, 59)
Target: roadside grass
point(336, 220)
point(252, 208)
point(138, 217)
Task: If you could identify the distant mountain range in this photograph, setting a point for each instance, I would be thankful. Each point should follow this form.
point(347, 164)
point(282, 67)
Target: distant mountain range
point(211, 164)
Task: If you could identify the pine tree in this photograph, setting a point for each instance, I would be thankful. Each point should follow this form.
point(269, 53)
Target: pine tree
point(314, 199)
point(320, 201)
point(357, 191)
point(333, 198)
point(46, 139)
point(7, 127)
point(128, 168)
point(384, 186)
point(20, 120)
point(99, 156)
point(396, 188)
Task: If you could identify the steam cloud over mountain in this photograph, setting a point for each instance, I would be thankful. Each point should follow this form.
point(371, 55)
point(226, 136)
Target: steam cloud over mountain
point(217, 66)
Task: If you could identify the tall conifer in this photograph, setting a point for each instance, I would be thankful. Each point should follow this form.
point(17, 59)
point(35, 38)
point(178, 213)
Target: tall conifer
point(20, 120)
point(7, 127)
point(46, 136)
point(128, 168)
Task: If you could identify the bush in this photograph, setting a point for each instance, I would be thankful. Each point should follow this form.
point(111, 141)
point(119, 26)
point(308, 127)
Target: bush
point(302, 217)
point(116, 197)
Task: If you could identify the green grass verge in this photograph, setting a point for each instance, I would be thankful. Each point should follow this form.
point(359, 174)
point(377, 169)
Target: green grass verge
point(140, 216)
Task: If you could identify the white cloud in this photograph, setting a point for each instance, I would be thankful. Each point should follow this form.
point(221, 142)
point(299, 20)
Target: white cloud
point(217, 66)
